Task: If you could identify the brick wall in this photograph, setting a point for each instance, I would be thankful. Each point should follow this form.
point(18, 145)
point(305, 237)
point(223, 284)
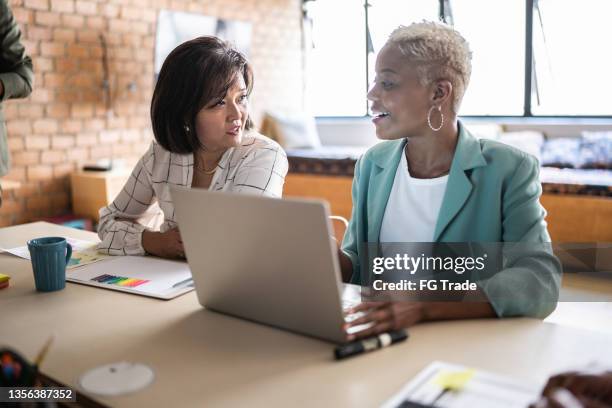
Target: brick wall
point(65, 122)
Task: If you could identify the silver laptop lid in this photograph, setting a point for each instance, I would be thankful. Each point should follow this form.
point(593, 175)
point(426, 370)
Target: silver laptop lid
point(263, 259)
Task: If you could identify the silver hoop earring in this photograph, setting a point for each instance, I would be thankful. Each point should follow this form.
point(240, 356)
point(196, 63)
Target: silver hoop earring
point(187, 130)
point(441, 118)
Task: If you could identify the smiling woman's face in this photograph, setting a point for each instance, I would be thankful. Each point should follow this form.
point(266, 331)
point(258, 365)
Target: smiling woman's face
point(399, 102)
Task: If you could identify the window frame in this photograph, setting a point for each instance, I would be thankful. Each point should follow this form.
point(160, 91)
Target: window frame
point(527, 89)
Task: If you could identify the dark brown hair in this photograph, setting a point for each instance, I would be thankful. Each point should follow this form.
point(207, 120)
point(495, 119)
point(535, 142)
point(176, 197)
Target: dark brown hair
point(193, 75)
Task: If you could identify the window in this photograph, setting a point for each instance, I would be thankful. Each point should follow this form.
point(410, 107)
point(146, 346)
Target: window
point(498, 55)
point(336, 64)
point(568, 63)
point(572, 63)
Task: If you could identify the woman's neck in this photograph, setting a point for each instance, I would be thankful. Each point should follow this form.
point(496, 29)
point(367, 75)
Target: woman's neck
point(208, 159)
point(430, 155)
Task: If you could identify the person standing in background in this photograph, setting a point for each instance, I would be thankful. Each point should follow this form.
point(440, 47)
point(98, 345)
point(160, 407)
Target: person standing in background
point(16, 75)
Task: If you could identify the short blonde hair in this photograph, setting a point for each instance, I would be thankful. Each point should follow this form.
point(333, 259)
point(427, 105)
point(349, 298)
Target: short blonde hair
point(438, 52)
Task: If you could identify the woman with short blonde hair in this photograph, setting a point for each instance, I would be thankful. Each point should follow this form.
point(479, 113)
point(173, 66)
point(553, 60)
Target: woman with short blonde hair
point(431, 181)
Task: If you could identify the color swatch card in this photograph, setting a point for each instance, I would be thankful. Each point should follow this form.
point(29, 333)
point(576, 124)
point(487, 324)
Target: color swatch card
point(449, 385)
point(83, 252)
point(142, 275)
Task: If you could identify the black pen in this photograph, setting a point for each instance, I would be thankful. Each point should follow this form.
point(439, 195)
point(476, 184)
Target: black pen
point(370, 344)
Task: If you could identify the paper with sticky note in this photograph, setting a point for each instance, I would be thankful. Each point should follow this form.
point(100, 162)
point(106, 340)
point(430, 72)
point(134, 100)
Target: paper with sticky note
point(450, 385)
point(454, 380)
point(83, 252)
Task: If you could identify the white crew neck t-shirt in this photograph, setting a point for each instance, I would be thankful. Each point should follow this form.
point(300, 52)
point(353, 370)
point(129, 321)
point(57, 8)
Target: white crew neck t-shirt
point(413, 207)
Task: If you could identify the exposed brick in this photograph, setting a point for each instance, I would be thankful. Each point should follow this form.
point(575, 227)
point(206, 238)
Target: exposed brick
point(46, 18)
point(67, 95)
point(64, 34)
point(37, 4)
point(45, 126)
point(62, 142)
point(40, 95)
point(23, 16)
point(82, 111)
point(53, 80)
point(58, 110)
point(109, 136)
point(77, 51)
point(95, 124)
point(40, 172)
point(71, 126)
point(16, 173)
point(86, 139)
point(109, 10)
point(86, 7)
point(26, 158)
point(18, 127)
point(73, 21)
point(15, 144)
point(82, 80)
point(52, 157)
point(52, 49)
point(64, 6)
point(65, 65)
point(101, 152)
point(89, 36)
point(37, 142)
point(63, 170)
point(42, 64)
point(131, 13)
point(39, 33)
point(31, 111)
point(96, 23)
point(121, 150)
point(117, 25)
point(32, 46)
point(79, 154)
point(66, 121)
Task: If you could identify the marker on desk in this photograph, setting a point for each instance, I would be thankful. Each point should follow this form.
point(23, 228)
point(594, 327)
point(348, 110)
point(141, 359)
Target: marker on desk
point(370, 344)
point(186, 282)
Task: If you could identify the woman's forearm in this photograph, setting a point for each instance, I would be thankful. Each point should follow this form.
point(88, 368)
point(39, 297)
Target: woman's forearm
point(433, 311)
point(149, 241)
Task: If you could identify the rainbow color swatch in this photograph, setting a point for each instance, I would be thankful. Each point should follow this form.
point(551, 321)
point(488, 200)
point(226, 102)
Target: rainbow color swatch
point(119, 281)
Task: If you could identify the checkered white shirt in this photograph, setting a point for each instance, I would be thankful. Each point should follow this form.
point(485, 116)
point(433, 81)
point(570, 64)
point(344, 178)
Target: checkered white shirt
point(257, 166)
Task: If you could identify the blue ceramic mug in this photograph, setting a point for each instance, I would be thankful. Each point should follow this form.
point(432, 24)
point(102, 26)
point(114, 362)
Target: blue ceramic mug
point(49, 255)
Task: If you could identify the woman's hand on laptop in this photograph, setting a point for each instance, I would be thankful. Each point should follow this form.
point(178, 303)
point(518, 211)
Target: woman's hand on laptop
point(167, 244)
point(382, 317)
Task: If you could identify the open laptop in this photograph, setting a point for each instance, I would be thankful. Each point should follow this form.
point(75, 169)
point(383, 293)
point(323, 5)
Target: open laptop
point(263, 259)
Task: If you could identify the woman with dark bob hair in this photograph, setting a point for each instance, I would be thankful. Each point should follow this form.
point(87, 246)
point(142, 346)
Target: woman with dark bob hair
point(203, 138)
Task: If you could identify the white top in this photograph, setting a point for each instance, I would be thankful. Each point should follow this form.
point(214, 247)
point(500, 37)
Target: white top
point(412, 210)
point(257, 166)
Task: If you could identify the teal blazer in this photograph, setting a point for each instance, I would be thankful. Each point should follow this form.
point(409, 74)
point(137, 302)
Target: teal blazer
point(492, 195)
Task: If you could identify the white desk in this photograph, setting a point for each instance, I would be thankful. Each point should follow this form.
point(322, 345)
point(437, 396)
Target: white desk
point(203, 358)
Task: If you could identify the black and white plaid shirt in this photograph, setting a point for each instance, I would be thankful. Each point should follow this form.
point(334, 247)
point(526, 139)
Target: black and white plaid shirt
point(257, 166)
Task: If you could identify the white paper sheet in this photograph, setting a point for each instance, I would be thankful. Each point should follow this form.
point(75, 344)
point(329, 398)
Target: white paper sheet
point(161, 275)
point(83, 252)
point(483, 389)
